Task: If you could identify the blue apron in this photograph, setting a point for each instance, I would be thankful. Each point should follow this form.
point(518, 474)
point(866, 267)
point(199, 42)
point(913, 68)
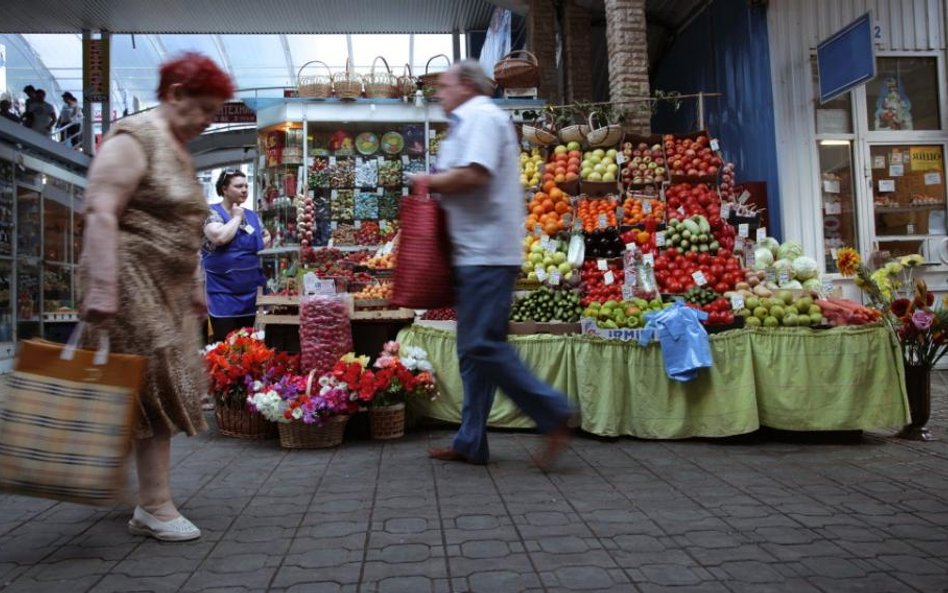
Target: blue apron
point(232, 272)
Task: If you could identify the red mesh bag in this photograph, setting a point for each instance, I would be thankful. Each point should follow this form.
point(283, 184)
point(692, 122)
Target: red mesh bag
point(423, 274)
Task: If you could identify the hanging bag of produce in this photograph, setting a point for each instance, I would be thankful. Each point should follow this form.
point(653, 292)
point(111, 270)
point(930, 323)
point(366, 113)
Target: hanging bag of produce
point(685, 347)
point(423, 272)
point(325, 332)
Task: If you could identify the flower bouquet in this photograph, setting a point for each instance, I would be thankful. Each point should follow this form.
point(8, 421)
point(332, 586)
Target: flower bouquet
point(310, 411)
point(910, 310)
point(234, 366)
point(401, 372)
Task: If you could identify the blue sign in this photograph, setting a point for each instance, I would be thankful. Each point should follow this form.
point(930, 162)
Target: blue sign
point(847, 59)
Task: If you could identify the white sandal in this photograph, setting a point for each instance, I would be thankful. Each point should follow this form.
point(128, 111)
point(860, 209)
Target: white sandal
point(178, 529)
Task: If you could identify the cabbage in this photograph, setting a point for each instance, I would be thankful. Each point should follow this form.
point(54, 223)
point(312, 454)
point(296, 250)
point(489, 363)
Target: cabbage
point(769, 243)
point(790, 250)
point(805, 268)
point(763, 258)
point(783, 265)
point(792, 284)
point(813, 284)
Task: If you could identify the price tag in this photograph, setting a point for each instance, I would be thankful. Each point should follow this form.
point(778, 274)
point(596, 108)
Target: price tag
point(608, 278)
point(537, 230)
point(628, 292)
point(826, 287)
point(541, 273)
point(647, 206)
point(910, 229)
point(743, 230)
point(332, 161)
point(404, 192)
point(660, 239)
point(380, 191)
point(714, 145)
point(602, 221)
point(545, 242)
point(737, 302)
point(761, 234)
point(832, 208)
point(648, 259)
point(555, 278)
point(602, 265)
point(620, 159)
point(620, 213)
point(567, 220)
point(388, 248)
point(577, 224)
point(833, 253)
point(334, 194)
point(405, 159)
point(770, 275)
point(739, 244)
point(357, 224)
point(700, 280)
point(783, 277)
point(681, 210)
point(725, 211)
point(554, 245)
point(333, 225)
point(750, 257)
point(745, 195)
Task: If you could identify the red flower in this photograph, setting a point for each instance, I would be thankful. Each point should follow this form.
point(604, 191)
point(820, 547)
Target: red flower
point(901, 307)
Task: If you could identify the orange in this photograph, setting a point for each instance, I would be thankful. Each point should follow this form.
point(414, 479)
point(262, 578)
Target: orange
point(537, 210)
point(547, 205)
point(561, 177)
point(562, 207)
point(556, 194)
point(551, 228)
point(549, 185)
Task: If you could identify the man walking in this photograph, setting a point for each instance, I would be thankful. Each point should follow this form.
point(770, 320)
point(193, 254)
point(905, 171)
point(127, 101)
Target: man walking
point(479, 181)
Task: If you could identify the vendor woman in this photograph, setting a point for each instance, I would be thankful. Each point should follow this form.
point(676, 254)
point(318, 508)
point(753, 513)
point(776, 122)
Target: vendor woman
point(232, 271)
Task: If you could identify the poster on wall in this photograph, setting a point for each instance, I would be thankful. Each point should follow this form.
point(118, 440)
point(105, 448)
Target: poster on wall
point(893, 107)
point(926, 158)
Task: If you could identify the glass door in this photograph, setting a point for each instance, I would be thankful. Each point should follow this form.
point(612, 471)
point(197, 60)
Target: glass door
point(7, 227)
point(29, 220)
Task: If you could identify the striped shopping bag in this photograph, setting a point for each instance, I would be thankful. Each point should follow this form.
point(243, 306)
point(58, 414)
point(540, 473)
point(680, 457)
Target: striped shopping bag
point(66, 419)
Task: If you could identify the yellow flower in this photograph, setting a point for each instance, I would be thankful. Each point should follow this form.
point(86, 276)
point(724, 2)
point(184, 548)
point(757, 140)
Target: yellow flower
point(350, 357)
point(848, 261)
point(893, 268)
point(912, 261)
point(881, 279)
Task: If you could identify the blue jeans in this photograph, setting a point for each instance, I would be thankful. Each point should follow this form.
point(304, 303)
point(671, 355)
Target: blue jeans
point(487, 361)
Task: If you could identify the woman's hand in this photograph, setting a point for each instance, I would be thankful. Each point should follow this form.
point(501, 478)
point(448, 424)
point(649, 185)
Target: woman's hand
point(237, 213)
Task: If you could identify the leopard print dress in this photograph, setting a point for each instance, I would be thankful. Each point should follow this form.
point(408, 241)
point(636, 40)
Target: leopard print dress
point(160, 234)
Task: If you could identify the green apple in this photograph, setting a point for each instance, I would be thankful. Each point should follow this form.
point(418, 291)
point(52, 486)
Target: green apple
point(573, 145)
point(550, 268)
point(559, 257)
point(611, 153)
point(607, 176)
point(560, 149)
point(536, 248)
point(599, 152)
point(536, 258)
point(565, 268)
point(547, 261)
point(532, 276)
point(612, 168)
point(594, 159)
point(526, 267)
point(599, 168)
point(595, 176)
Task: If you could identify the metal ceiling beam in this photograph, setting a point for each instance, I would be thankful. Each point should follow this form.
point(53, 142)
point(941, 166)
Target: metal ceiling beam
point(222, 52)
point(36, 64)
point(290, 68)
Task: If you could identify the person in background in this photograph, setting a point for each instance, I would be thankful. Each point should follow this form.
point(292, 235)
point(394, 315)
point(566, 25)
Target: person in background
point(232, 270)
point(478, 180)
point(42, 114)
point(27, 118)
point(5, 111)
point(70, 119)
point(140, 268)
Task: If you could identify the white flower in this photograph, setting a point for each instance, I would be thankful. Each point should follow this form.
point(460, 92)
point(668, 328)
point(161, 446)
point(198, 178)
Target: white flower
point(415, 352)
point(324, 380)
point(409, 363)
point(424, 365)
point(297, 413)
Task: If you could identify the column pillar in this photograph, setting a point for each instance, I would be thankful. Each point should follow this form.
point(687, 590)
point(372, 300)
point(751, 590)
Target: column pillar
point(628, 59)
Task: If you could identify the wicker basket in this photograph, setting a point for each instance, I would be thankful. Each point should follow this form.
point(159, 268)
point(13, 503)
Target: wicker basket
point(315, 85)
point(429, 80)
point(406, 84)
point(347, 83)
point(380, 85)
point(517, 70)
point(241, 423)
point(387, 422)
point(608, 135)
point(575, 133)
point(297, 435)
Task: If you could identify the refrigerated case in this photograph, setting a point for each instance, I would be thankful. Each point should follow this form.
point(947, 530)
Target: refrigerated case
point(40, 235)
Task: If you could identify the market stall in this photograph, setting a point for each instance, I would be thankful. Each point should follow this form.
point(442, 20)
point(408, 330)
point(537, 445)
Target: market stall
point(847, 378)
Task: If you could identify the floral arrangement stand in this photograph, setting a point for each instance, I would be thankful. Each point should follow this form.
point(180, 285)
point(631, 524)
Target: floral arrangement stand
point(387, 422)
point(297, 435)
point(921, 326)
point(241, 423)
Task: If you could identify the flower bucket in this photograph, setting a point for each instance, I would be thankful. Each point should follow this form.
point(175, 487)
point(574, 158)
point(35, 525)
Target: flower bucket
point(297, 435)
point(241, 423)
point(387, 422)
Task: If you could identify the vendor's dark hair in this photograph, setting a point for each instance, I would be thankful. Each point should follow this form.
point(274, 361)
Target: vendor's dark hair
point(224, 180)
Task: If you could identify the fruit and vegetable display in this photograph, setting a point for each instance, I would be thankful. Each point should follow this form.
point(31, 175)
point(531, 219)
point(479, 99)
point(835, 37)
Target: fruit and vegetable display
point(531, 168)
point(618, 314)
point(443, 314)
point(547, 304)
point(644, 164)
point(548, 262)
point(379, 291)
point(691, 156)
point(565, 162)
point(596, 213)
point(783, 309)
point(602, 281)
point(640, 210)
point(547, 210)
point(599, 165)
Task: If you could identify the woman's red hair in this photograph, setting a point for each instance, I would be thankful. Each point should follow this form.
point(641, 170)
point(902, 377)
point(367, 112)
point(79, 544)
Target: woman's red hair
point(197, 74)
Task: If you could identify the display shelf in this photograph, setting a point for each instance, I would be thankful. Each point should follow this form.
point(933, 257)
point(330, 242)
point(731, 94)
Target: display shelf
point(889, 209)
point(285, 249)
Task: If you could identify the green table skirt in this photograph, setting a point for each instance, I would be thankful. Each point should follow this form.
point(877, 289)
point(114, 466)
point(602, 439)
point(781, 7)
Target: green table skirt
point(847, 378)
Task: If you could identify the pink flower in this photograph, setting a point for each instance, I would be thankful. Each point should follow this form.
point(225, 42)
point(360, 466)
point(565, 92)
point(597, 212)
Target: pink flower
point(923, 319)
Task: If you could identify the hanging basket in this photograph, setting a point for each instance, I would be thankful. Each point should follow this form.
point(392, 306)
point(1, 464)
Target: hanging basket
point(429, 80)
point(314, 85)
point(406, 84)
point(517, 70)
point(540, 133)
point(347, 84)
point(608, 135)
point(381, 84)
point(387, 422)
point(297, 435)
point(575, 133)
point(241, 423)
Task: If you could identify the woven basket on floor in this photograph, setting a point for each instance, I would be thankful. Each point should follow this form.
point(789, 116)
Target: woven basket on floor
point(241, 423)
point(297, 435)
point(387, 422)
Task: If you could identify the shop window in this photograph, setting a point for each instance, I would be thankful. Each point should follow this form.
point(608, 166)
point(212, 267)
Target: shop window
point(904, 95)
point(57, 223)
point(908, 192)
point(838, 198)
point(834, 116)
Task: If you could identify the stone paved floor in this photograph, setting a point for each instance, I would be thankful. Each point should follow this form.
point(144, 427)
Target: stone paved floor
point(768, 513)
